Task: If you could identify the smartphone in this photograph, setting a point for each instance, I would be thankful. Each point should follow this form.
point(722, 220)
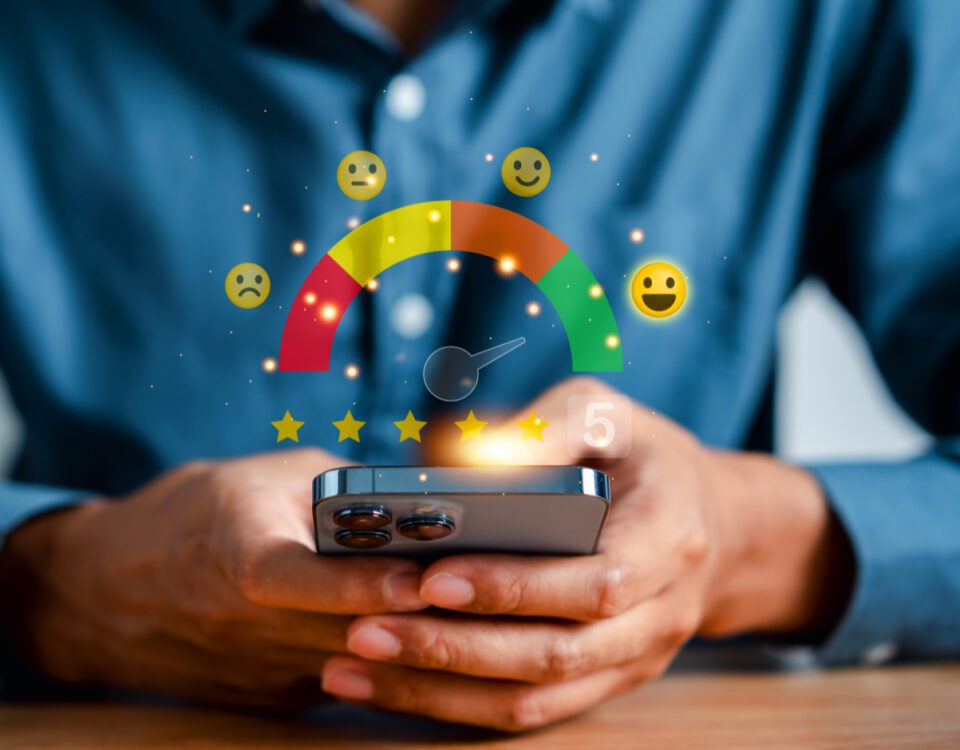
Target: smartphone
point(432, 511)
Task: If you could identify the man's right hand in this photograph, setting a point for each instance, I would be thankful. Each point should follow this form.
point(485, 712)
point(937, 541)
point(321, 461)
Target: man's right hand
point(203, 584)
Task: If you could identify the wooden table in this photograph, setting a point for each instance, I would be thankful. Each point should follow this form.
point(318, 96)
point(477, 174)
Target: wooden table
point(878, 709)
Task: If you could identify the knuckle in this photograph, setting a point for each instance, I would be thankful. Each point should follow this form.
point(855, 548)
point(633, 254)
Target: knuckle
point(563, 658)
point(613, 592)
point(430, 648)
point(247, 575)
point(695, 546)
point(508, 593)
point(405, 695)
point(525, 710)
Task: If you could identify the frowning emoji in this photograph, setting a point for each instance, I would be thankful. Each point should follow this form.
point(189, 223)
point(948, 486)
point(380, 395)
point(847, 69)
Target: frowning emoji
point(247, 285)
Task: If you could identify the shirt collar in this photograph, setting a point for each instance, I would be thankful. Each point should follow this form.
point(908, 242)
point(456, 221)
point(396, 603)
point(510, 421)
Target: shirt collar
point(241, 15)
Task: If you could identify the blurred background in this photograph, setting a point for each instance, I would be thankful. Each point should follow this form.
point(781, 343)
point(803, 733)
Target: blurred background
point(832, 403)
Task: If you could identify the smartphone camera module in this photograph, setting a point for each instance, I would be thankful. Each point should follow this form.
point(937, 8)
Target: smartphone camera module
point(362, 539)
point(427, 527)
point(362, 517)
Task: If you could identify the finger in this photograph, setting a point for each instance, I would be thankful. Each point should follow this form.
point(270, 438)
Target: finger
point(279, 572)
point(524, 651)
point(635, 562)
point(508, 706)
point(226, 676)
point(280, 632)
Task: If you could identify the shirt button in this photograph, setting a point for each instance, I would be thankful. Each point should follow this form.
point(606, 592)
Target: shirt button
point(406, 97)
point(881, 653)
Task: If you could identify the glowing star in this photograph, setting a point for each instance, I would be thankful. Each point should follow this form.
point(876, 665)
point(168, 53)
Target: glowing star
point(410, 427)
point(533, 427)
point(349, 428)
point(287, 428)
point(470, 427)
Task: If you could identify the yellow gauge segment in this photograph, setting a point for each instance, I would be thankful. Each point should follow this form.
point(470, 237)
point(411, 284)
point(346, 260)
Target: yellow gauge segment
point(393, 237)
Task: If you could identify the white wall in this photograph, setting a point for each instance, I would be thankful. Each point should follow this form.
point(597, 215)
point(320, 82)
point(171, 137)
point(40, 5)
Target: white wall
point(832, 402)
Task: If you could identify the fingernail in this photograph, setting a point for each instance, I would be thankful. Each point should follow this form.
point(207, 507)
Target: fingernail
point(347, 683)
point(445, 590)
point(403, 590)
point(373, 642)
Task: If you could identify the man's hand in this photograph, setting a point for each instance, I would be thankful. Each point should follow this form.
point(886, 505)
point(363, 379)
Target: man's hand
point(696, 541)
point(203, 584)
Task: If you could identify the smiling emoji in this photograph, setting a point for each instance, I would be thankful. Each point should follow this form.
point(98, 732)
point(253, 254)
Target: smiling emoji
point(525, 171)
point(361, 175)
point(247, 285)
point(658, 290)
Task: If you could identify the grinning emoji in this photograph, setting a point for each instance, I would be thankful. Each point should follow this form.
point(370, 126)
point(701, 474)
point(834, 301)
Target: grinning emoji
point(658, 290)
point(525, 171)
point(247, 285)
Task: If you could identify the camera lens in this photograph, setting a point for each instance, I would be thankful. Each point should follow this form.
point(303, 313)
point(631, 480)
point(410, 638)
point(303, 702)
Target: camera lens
point(362, 539)
point(427, 528)
point(362, 517)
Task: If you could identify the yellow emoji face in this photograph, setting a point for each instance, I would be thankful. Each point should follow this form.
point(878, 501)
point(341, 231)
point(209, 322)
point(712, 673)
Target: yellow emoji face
point(361, 175)
point(247, 285)
point(658, 290)
point(525, 171)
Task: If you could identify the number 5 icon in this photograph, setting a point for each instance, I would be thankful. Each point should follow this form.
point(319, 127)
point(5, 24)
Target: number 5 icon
point(602, 426)
point(591, 420)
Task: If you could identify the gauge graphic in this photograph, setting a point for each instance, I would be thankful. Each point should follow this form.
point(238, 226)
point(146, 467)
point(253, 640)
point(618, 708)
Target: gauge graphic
point(442, 226)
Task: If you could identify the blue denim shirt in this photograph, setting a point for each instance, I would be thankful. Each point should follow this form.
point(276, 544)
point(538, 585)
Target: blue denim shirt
point(754, 142)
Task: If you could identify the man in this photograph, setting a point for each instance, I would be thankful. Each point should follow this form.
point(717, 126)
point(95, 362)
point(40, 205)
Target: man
point(149, 148)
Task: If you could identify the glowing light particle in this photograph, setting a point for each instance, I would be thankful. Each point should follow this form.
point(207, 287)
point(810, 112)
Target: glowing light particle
point(488, 158)
point(636, 235)
point(453, 265)
point(507, 265)
point(329, 312)
point(298, 247)
point(533, 309)
point(594, 157)
point(353, 222)
point(352, 372)
point(434, 216)
point(596, 291)
point(247, 208)
point(373, 285)
point(411, 316)
point(612, 341)
point(310, 298)
point(269, 364)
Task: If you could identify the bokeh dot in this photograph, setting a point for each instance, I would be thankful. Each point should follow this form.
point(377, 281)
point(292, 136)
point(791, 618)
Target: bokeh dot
point(411, 316)
point(406, 97)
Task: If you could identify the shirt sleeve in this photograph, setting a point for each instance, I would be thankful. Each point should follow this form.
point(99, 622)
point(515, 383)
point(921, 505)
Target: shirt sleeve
point(20, 502)
point(885, 236)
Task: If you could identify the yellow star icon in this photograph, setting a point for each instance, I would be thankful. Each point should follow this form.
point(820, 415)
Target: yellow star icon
point(533, 426)
point(470, 427)
point(410, 427)
point(349, 428)
point(287, 428)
